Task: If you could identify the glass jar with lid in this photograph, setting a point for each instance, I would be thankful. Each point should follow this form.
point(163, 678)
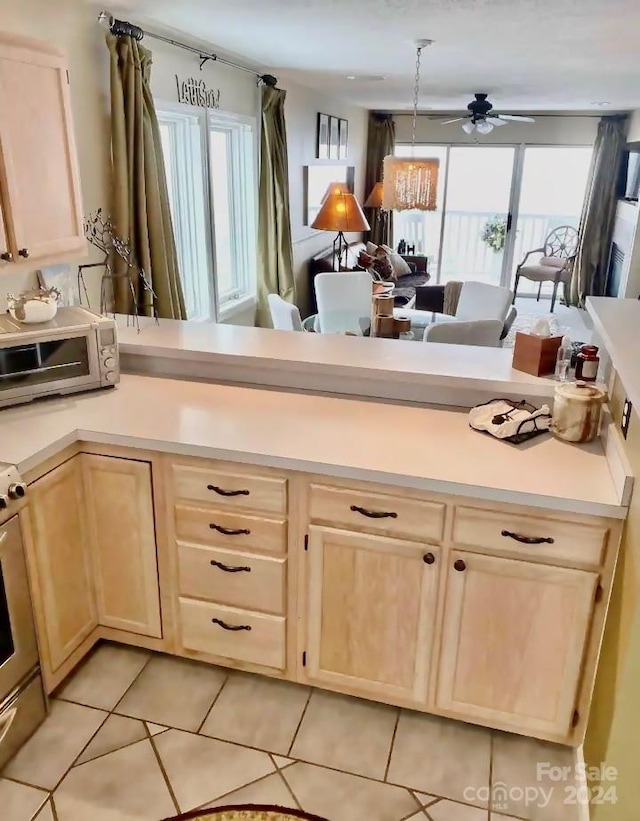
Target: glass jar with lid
point(587, 363)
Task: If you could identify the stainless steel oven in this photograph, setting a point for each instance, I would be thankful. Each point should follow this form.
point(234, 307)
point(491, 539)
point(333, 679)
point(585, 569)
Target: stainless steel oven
point(22, 703)
point(75, 351)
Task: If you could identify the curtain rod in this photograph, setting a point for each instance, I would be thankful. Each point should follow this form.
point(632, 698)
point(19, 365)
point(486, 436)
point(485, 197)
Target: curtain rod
point(122, 28)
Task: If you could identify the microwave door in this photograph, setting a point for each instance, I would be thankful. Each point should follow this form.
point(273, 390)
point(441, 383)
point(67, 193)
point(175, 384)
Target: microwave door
point(47, 365)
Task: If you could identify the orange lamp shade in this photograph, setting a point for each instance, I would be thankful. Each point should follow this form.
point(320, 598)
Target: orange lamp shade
point(341, 211)
point(374, 200)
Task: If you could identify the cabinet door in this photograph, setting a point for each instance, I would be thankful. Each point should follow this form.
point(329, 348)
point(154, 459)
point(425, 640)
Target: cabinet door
point(371, 609)
point(513, 640)
point(62, 560)
point(120, 510)
point(39, 171)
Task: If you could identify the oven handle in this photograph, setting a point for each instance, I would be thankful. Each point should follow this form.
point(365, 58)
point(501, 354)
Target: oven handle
point(3, 536)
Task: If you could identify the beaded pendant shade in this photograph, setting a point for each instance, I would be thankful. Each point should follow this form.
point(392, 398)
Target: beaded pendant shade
point(411, 183)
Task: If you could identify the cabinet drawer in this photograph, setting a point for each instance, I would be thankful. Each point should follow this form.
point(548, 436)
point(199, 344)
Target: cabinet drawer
point(232, 490)
point(257, 638)
point(231, 530)
point(233, 578)
point(377, 513)
point(513, 533)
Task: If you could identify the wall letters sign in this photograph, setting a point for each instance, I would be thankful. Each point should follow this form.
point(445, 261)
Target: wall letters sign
point(195, 92)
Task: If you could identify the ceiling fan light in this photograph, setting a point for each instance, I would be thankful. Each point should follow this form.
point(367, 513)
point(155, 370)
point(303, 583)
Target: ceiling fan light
point(468, 127)
point(484, 127)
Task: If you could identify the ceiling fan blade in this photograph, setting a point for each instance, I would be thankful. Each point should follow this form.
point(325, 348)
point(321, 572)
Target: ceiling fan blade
point(457, 120)
point(516, 117)
point(495, 121)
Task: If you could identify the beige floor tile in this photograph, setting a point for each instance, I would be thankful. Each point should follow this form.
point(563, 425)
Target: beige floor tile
point(451, 811)
point(19, 803)
point(126, 785)
point(419, 816)
point(440, 756)
point(257, 711)
point(346, 733)
point(202, 769)
point(173, 691)
point(424, 798)
point(495, 816)
point(515, 768)
point(116, 732)
point(282, 761)
point(45, 814)
point(105, 676)
point(343, 797)
point(270, 790)
point(155, 729)
point(56, 744)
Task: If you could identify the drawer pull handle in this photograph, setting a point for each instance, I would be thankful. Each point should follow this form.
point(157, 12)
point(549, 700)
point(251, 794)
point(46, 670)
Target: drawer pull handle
point(226, 626)
point(230, 531)
point(229, 568)
point(374, 514)
point(222, 492)
point(459, 565)
point(528, 539)
point(428, 558)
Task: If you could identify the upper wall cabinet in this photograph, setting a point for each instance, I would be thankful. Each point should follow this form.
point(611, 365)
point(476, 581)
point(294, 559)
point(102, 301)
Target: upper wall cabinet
point(39, 179)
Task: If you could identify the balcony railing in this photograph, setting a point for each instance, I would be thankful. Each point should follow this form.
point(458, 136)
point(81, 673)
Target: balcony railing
point(464, 255)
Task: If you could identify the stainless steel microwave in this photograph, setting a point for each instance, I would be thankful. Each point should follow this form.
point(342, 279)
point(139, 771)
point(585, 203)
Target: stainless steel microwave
point(75, 351)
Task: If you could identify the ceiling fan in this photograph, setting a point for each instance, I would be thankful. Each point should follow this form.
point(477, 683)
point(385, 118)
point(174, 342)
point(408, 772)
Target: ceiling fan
point(483, 119)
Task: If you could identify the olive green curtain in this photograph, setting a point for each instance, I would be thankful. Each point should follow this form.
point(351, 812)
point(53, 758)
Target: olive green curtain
point(140, 201)
point(381, 141)
point(599, 210)
point(275, 254)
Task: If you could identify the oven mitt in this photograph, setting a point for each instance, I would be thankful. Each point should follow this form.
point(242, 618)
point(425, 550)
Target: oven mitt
point(502, 420)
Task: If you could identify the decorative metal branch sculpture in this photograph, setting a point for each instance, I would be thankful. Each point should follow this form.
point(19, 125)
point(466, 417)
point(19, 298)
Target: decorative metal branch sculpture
point(100, 232)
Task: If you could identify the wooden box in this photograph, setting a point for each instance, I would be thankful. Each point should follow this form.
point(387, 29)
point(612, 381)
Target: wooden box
point(536, 354)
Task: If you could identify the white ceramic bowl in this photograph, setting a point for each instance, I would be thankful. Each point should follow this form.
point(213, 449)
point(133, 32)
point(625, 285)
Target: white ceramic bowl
point(36, 311)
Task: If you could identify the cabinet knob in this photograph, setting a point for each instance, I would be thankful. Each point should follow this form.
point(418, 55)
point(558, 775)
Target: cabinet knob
point(459, 565)
point(7, 256)
point(428, 558)
point(17, 490)
point(23, 252)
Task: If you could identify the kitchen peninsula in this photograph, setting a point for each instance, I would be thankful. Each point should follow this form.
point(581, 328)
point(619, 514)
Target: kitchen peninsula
point(412, 569)
point(358, 366)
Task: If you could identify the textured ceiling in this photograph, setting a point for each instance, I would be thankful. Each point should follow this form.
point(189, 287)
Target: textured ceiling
point(528, 54)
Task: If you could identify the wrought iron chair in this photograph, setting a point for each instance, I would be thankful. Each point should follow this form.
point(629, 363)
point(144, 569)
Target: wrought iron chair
point(558, 254)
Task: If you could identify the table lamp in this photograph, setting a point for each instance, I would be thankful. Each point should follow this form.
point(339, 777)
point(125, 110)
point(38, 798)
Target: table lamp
point(340, 212)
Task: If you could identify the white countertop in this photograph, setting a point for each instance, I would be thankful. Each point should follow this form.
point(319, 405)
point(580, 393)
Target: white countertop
point(427, 448)
point(617, 323)
point(414, 371)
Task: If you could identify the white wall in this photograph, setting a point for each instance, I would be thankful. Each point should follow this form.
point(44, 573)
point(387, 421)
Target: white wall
point(301, 110)
point(634, 127)
point(561, 130)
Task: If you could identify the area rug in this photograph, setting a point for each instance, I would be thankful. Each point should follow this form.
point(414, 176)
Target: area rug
point(247, 812)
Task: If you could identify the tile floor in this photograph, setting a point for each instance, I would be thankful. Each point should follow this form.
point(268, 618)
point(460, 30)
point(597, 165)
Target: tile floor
point(136, 736)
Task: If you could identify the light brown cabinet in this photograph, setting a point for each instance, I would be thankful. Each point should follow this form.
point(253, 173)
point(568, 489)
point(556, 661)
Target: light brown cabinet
point(513, 641)
point(60, 563)
point(371, 613)
point(39, 178)
point(119, 507)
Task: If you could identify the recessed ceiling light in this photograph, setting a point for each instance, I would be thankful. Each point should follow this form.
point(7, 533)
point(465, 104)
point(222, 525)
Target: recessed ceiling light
point(601, 103)
point(366, 78)
point(351, 76)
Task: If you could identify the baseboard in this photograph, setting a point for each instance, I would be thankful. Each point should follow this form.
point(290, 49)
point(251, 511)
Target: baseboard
point(584, 813)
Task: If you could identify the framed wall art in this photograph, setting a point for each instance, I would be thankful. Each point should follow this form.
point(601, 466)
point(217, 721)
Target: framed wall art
point(322, 138)
point(334, 138)
point(343, 139)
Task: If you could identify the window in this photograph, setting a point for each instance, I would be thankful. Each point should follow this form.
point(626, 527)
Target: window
point(209, 161)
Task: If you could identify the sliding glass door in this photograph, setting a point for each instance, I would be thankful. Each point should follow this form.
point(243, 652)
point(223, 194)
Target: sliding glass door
point(494, 204)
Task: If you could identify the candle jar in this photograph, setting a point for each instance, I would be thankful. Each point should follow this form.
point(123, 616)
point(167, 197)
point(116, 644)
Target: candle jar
point(587, 363)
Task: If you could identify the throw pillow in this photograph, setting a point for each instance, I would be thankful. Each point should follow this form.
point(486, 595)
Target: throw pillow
point(371, 249)
point(400, 266)
point(382, 265)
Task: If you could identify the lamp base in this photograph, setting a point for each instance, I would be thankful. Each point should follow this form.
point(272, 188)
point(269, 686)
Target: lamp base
point(340, 247)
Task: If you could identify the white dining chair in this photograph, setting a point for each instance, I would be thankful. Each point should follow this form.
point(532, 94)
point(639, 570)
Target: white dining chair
point(284, 315)
point(479, 300)
point(482, 332)
point(344, 301)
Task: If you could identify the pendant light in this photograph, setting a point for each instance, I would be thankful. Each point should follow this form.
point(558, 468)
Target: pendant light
point(411, 183)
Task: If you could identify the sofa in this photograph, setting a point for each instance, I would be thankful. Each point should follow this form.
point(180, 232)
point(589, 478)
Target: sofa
point(405, 287)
